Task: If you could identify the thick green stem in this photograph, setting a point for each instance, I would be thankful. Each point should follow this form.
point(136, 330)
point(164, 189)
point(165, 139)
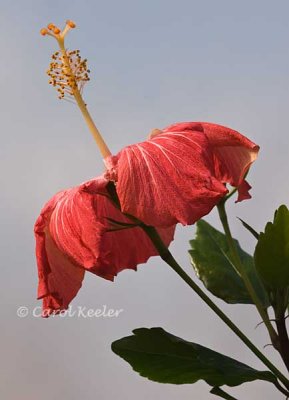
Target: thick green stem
point(281, 389)
point(280, 305)
point(169, 259)
point(240, 268)
point(284, 340)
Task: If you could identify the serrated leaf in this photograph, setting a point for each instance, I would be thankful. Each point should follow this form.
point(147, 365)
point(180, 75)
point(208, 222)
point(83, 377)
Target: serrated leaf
point(219, 392)
point(211, 260)
point(165, 358)
point(272, 251)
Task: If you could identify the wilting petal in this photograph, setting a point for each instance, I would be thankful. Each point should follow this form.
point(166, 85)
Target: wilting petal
point(125, 248)
point(168, 179)
point(64, 280)
point(243, 191)
point(79, 227)
point(59, 278)
point(76, 228)
point(233, 152)
point(72, 234)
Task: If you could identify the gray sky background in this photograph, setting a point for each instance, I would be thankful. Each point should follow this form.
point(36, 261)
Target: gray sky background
point(153, 63)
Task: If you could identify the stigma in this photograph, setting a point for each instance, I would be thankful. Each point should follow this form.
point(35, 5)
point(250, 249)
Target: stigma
point(53, 30)
point(68, 73)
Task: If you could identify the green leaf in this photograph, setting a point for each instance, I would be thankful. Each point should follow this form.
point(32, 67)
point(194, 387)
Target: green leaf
point(210, 255)
point(162, 357)
point(272, 251)
point(219, 392)
point(249, 228)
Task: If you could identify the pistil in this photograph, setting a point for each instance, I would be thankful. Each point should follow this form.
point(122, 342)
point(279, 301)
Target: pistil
point(69, 73)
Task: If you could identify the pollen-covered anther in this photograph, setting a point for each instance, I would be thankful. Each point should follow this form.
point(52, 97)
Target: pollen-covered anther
point(68, 73)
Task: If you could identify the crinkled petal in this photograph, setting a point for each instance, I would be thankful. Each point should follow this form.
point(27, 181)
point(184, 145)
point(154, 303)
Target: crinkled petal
point(76, 228)
point(59, 278)
point(233, 152)
point(243, 191)
point(126, 248)
point(168, 179)
point(62, 283)
point(79, 227)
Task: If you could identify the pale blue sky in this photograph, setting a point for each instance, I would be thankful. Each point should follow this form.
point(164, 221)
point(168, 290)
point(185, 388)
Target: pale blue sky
point(153, 63)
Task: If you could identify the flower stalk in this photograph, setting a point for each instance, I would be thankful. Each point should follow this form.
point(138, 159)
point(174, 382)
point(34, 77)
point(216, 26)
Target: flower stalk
point(241, 270)
point(280, 305)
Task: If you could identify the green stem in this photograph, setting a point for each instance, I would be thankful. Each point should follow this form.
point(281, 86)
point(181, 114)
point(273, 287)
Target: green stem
point(281, 389)
point(231, 193)
point(170, 260)
point(279, 310)
point(240, 268)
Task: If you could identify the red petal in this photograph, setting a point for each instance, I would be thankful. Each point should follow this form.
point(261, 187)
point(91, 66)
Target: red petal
point(79, 228)
point(59, 278)
point(76, 228)
point(168, 179)
point(234, 153)
point(123, 249)
point(243, 191)
point(71, 236)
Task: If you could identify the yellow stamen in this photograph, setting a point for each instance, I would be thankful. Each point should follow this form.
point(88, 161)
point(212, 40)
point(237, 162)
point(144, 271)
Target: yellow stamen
point(68, 72)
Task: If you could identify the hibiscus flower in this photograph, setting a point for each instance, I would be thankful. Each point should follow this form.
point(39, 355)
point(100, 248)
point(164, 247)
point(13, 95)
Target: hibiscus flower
point(178, 175)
